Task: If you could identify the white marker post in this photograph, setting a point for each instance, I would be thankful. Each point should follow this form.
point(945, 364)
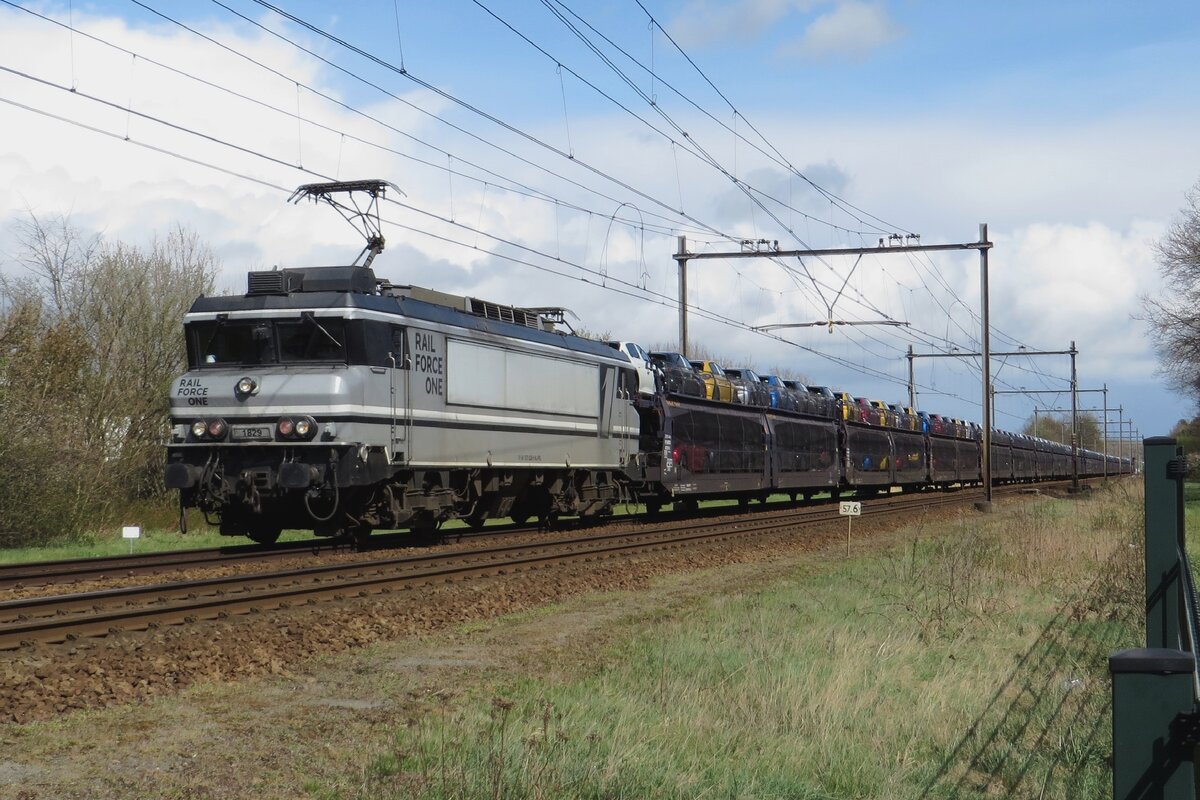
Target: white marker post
point(131, 532)
point(849, 509)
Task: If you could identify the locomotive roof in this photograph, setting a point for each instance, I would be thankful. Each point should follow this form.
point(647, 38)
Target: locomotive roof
point(408, 307)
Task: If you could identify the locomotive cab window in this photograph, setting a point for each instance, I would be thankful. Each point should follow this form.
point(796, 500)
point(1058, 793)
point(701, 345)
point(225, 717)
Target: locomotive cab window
point(223, 343)
point(312, 339)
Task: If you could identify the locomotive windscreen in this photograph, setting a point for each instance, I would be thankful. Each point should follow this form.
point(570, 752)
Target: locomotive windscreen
point(226, 343)
point(311, 340)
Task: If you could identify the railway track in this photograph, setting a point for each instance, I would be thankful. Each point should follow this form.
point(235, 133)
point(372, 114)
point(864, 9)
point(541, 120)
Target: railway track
point(49, 573)
point(66, 617)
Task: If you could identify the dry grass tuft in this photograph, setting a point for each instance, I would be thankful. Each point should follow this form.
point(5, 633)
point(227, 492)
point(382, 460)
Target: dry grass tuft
point(968, 661)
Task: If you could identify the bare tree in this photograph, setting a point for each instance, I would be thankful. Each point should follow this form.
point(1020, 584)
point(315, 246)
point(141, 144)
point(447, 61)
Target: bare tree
point(131, 302)
point(1057, 428)
point(1175, 316)
point(55, 252)
point(89, 344)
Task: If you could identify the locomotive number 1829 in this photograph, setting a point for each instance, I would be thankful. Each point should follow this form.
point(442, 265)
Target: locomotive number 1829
point(247, 433)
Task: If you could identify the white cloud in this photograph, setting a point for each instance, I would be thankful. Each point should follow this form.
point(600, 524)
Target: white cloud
point(1062, 282)
point(128, 191)
point(851, 30)
point(1072, 206)
point(704, 22)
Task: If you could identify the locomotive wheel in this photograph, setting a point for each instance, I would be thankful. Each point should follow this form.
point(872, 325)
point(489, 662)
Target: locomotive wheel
point(475, 521)
point(263, 535)
point(528, 509)
point(359, 534)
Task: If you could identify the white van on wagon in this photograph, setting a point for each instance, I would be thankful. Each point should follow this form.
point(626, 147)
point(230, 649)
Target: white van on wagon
point(641, 364)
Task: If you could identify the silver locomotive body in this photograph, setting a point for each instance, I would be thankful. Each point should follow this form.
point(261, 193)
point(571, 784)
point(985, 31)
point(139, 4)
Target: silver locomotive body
point(326, 400)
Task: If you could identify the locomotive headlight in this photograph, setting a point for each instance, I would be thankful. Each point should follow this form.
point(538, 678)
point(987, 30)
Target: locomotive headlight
point(246, 387)
point(304, 428)
point(216, 428)
point(286, 426)
point(198, 429)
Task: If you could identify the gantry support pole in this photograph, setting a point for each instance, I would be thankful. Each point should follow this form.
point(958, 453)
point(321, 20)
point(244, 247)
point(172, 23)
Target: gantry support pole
point(986, 350)
point(1074, 423)
point(681, 257)
point(912, 386)
point(1121, 430)
point(1104, 432)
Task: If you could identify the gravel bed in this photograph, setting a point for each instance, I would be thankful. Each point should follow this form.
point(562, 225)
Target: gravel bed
point(50, 680)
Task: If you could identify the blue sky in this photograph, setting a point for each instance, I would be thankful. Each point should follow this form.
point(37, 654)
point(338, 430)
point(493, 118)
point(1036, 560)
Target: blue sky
point(1066, 126)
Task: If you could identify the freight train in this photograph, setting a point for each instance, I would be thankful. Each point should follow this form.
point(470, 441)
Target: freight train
point(326, 399)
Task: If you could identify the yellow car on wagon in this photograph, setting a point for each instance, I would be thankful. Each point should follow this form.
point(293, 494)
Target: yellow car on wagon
point(717, 385)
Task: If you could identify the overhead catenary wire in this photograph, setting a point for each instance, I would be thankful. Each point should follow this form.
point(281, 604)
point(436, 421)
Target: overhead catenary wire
point(774, 156)
point(497, 180)
point(496, 120)
point(451, 97)
point(475, 137)
point(834, 199)
point(646, 224)
point(368, 55)
point(695, 147)
point(624, 288)
point(594, 170)
point(831, 196)
point(726, 236)
point(652, 99)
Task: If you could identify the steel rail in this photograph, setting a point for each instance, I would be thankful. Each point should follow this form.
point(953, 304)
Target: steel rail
point(41, 573)
point(65, 617)
point(45, 573)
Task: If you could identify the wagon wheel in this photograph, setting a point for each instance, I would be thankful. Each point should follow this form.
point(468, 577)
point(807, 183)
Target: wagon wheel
point(425, 527)
point(264, 534)
point(520, 513)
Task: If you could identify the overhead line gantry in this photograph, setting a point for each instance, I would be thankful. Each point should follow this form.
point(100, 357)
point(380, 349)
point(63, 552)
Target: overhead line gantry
point(894, 243)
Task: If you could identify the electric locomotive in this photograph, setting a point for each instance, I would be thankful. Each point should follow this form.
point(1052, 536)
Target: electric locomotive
point(327, 399)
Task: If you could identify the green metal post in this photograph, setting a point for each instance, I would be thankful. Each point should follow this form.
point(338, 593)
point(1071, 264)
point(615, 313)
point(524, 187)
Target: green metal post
point(1164, 537)
point(1152, 758)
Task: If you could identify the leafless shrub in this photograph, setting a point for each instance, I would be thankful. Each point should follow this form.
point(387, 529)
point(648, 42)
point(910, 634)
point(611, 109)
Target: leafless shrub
point(89, 344)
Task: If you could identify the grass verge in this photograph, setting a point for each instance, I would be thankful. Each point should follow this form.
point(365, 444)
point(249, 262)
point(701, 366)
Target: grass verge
point(109, 543)
point(1191, 512)
point(968, 660)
